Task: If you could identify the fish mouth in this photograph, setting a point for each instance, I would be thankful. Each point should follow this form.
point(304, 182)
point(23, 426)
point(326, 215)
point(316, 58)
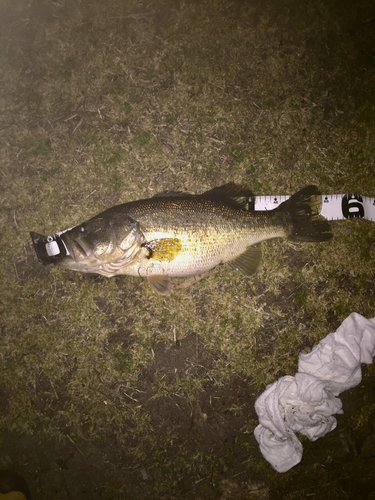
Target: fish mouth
point(80, 248)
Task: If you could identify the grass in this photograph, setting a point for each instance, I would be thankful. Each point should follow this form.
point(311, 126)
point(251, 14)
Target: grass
point(104, 103)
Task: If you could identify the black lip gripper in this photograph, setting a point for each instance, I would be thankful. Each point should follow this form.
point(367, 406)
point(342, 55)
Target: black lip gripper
point(48, 249)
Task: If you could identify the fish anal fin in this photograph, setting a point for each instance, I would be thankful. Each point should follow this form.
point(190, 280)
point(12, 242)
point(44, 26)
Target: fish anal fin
point(164, 249)
point(160, 283)
point(248, 262)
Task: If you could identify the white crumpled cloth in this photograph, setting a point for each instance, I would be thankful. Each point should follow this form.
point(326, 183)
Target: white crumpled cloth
point(307, 402)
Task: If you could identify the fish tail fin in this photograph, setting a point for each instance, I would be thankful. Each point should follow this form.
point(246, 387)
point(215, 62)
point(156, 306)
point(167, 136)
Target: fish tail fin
point(303, 217)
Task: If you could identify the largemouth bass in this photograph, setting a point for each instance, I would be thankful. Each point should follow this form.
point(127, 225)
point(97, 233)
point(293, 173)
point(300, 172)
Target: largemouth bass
point(178, 234)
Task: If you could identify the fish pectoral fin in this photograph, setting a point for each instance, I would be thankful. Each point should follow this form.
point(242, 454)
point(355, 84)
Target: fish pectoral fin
point(248, 262)
point(164, 249)
point(160, 284)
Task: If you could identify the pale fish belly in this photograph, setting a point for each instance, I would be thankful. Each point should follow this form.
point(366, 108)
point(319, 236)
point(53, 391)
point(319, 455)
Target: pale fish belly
point(202, 250)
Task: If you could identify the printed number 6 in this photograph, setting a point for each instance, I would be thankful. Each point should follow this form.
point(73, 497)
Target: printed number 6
point(352, 207)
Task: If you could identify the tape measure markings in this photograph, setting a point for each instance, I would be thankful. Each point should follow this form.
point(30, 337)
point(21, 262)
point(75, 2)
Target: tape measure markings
point(334, 206)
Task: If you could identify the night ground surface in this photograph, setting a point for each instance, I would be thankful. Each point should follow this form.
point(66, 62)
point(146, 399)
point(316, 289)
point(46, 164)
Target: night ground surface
point(108, 391)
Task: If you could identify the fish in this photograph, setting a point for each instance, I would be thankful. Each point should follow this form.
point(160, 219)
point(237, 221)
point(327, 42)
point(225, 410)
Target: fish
point(176, 234)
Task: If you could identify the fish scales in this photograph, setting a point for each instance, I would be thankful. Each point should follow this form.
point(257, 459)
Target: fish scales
point(210, 232)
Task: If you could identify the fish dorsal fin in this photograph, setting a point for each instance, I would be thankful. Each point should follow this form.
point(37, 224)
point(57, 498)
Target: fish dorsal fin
point(160, 284)
point(230, 190)
point(238, 195)
point(248, 262)
point(175, 194)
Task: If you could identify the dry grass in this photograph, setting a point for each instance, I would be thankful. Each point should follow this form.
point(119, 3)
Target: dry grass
point(107, 102)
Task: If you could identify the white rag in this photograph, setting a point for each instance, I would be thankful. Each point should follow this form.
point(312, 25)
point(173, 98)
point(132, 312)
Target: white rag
point(307, 402)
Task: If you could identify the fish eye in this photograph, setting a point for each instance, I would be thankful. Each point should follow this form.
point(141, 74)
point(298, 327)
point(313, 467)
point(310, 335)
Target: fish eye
point(82, 229)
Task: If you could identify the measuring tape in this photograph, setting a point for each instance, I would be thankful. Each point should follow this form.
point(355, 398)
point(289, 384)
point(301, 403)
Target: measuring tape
point(334, 206)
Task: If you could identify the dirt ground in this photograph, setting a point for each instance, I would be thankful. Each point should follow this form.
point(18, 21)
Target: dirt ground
point(108, 391)
point(207, 427)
